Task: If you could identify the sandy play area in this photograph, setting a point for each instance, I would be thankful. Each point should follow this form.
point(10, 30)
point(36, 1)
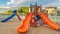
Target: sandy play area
point(10, 28)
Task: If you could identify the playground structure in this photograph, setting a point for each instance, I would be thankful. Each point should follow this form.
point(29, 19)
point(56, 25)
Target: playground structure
point(27, 21)
point(35, 17)
point(10, 17)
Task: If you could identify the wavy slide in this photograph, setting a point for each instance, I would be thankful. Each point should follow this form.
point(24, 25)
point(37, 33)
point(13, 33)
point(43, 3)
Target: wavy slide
point(8, 18)
point(48, 21)
point(25, 26)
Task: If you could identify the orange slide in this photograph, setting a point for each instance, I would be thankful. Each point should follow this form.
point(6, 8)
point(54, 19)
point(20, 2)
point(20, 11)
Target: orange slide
point(25, 26)
point(48, 21)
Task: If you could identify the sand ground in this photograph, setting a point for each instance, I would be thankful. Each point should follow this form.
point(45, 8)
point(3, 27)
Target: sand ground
point(10, 28)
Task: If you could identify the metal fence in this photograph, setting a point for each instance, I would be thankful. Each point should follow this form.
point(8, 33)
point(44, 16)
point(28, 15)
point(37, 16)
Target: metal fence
point(55, 18)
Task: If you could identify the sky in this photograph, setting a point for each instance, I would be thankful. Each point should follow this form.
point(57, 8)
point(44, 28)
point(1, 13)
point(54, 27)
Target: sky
point(18, 3)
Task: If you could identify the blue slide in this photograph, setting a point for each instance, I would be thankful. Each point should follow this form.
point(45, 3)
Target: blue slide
point(5, 20)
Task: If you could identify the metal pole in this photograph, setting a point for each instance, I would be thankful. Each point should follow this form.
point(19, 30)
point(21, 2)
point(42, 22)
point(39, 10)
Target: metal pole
point(55, 13)
point(35, 14)
point(31, 7)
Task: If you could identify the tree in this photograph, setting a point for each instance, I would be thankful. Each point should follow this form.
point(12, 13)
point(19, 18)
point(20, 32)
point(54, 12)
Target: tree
point(9, 12)
point(23, 9)
point(20, 10)
point(58, 12)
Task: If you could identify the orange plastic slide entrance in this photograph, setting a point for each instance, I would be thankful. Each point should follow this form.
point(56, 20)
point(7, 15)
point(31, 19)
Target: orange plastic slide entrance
point(25, 26)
